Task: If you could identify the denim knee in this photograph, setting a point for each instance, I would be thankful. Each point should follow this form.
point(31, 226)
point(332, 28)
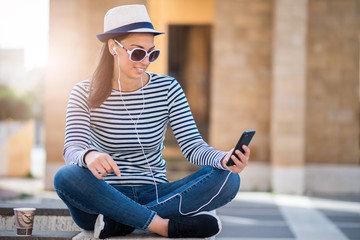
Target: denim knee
point(232, 185)
point(60, 177)
point(66, 176)
point(234, 182)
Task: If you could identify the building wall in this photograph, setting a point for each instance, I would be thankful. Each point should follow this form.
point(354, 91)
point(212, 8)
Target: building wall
point(304, 84)
point(241, 74)
point(16, 143)
point(164, 12)
point(332, 123)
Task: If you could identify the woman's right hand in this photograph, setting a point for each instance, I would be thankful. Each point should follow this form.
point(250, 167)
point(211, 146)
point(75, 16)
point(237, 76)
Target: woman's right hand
point(101, 162)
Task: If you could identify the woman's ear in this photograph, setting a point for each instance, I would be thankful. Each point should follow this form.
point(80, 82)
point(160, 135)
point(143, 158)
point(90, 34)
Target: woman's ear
point(112, 47)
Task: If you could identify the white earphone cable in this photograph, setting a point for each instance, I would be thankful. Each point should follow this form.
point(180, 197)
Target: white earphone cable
point(143, 151)
point(135, 124)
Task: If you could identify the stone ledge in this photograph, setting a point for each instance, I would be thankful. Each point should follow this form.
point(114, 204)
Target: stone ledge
point(43, 223)
point(84, 235)
point(45, 209)
point(43, 235)
point(136, 235)
point(49, 216)
point(57, 214)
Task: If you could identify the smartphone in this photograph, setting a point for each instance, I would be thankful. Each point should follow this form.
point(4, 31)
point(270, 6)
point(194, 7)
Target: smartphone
point(244, 140)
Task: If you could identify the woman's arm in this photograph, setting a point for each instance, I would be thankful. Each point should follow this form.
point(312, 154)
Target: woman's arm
point(194, 148)
point(77, 131)
point(77, 149)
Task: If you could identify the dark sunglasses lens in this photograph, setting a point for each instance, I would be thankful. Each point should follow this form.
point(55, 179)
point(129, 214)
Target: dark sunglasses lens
point(138, 55)
point(154, 55)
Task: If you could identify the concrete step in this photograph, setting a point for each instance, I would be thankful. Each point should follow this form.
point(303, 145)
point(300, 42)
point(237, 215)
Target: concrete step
point(53, 222)
point(136, 235)
point(84, 235)
point(43, 235)
point(51, 215)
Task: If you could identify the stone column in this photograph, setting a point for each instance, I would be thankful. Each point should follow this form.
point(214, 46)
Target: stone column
point(241, 74)
point(289, 96)
point(240, 87)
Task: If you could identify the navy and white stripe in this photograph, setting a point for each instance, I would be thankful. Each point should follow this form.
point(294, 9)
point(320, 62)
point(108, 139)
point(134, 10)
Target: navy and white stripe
point(111, 129)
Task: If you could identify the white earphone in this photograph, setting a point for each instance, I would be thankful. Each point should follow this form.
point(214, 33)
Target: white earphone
point(114, 51)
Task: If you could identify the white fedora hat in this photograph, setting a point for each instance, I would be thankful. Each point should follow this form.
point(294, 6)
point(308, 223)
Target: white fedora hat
point(126, 19)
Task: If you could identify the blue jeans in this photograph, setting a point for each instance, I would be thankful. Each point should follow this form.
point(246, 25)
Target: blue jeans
point(86, 196)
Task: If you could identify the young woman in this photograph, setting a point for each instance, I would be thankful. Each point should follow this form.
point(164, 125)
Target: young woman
point(114, 180)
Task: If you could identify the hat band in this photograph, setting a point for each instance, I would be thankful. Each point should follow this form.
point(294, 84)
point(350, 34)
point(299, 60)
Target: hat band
point(131, 26)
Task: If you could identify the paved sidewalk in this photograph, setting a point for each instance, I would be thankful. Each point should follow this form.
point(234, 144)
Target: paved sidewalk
point(265, 216)
point(15, 187)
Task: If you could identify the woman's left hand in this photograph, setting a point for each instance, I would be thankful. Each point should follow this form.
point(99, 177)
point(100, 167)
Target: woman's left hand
point(239, 164)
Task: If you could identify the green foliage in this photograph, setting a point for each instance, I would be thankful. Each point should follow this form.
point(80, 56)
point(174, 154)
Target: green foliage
point(25, 195)
point(14, 106)
point(29, 175)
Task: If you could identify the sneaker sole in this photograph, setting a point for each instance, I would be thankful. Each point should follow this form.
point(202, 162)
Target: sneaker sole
point(99, 225)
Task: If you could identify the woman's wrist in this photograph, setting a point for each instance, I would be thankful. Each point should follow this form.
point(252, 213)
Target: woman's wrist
point(87, 154)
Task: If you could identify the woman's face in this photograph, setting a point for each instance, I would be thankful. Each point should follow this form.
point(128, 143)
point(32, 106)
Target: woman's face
point(130, 69)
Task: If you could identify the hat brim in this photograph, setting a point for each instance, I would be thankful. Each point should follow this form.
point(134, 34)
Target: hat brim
point(105, 36)
point(141, 27)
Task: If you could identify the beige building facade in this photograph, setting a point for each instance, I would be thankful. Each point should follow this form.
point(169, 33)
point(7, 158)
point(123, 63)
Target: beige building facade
point(288, 69)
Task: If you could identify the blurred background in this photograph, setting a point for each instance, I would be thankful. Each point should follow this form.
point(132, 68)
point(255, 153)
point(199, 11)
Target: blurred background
point(288, 69)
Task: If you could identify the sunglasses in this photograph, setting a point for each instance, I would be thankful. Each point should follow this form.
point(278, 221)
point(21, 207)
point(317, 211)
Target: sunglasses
point(138, 54)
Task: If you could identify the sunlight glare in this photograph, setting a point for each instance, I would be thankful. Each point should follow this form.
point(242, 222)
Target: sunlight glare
point(24, 24)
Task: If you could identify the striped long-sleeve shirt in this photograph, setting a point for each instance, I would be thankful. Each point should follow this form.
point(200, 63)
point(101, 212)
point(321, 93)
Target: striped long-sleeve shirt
point(115, 126)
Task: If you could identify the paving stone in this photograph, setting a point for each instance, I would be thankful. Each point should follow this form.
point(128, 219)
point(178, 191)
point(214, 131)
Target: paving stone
point(347, 222)
point(7, 194)
point(351, 233)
